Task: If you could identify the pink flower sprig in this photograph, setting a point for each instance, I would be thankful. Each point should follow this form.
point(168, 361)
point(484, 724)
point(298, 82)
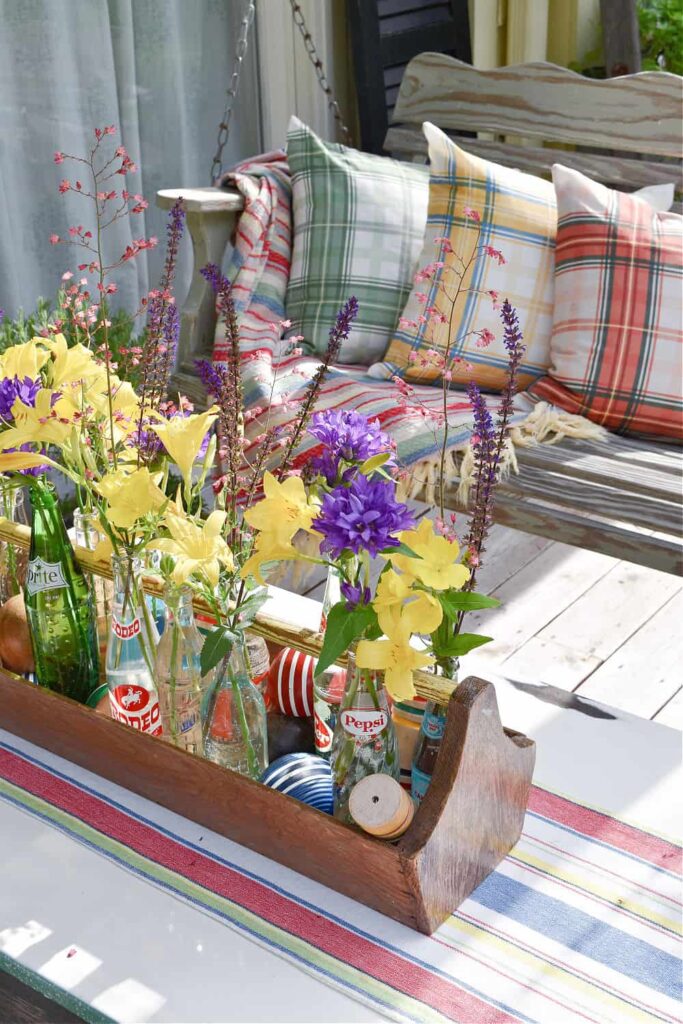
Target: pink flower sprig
point(110, 204)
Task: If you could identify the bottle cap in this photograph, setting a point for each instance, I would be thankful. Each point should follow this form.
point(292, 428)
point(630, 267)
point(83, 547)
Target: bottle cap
point(381, 807)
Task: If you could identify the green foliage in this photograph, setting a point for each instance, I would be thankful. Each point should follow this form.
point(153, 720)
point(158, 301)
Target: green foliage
point(217, 646)
point(343, 627)
point(25, 326)
point(455, 601)
point(461, 644)
point(661, 35)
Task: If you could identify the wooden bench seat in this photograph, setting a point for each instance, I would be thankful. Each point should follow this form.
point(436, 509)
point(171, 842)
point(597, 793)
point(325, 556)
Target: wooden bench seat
point(621, 496)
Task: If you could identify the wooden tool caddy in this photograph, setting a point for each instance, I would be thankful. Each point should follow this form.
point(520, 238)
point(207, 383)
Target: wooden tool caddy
point(467, 823)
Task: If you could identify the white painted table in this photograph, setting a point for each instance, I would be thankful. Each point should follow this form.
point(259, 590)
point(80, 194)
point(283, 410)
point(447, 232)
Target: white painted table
point(145, 955)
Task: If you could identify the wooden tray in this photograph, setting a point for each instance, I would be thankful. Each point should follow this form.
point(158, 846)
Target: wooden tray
point(467, 823)
point(470, 818)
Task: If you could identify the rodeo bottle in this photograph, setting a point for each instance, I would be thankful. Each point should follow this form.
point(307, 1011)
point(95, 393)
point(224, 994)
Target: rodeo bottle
point(130, 652)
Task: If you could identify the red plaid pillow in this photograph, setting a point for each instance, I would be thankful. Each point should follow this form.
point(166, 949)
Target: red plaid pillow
point(617, 342)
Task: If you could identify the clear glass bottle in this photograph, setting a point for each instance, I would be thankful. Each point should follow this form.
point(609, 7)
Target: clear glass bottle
point(13, 560)
point(431, 733)
point(328, 687)
point(133, 639)
point(196, 639)
point(258, 661)
point(235, 734)
point(157, 608)
point(364, 740)
point(60, 615)
point(177, 673)
point(88, 535)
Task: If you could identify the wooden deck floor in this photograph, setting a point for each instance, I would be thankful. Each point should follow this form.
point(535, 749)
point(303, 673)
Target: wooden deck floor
point(600, 627)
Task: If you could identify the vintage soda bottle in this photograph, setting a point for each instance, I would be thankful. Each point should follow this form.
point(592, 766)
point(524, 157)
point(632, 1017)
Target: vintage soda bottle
point(235, 731)
point(60, 614)
point(364, 740)
point(427, 748)
point(177, 673)
point(258, 661)
point(328, 686)
point(130, 652)
point(431, 733)
point(87, 534)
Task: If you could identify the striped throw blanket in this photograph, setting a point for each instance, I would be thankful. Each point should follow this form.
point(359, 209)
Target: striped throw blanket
point(275, 382)
point(580, 923)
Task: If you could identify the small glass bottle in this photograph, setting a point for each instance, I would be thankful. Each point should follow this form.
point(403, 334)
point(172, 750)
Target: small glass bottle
point(364, 741)
point(235, 734)
point(60, 615)
point(196, 639)
point(13, 560)
point(431, 733)
point(258, 661)
point(177, 673)
point(133, 639)
point(157, 608)
point(88, 535)
point(328, 686)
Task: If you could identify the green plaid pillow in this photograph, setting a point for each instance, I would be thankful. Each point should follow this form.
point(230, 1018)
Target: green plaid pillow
point(359, 224)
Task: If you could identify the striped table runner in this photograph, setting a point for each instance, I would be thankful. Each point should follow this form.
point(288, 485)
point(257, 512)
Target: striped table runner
point(580, 923)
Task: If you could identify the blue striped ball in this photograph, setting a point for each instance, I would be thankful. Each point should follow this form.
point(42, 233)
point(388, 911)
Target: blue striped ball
point(306, 777)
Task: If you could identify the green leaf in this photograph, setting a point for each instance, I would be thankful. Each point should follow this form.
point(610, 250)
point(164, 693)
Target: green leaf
point(217, 645)
point(250, 607)
point(402, 549)
point(343, 627)
point(455, 601)
point(461, 644)
point(373, 463)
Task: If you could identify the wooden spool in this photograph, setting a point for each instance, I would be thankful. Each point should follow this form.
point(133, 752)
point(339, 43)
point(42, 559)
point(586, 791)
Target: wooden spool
point(468, 821)
point(381, 807)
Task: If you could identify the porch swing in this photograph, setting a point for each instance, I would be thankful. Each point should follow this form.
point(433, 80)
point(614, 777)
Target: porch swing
point(616, 495)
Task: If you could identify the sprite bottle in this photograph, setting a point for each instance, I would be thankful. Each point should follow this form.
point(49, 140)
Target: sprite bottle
point(60, 614)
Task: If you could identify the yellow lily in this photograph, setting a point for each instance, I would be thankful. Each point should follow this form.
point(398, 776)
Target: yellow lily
point(285, 509)
point(70, 365)
point(14, 462)
point(392, 590)
point(397, 659)
point(42, 424)
point(267, 549)
point(421, 614)
point(437, 566)
point(182, 437)
point(24, 360)
point(131, 496)
point(199, 549)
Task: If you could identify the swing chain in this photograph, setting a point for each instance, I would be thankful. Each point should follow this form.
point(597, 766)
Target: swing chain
point(315, 60)
point(233, 88)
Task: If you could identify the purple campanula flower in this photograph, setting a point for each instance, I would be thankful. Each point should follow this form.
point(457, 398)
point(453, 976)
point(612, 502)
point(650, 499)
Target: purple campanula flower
point(12, 388)
point(364, 516)
point(349, 435)
point(355, 595)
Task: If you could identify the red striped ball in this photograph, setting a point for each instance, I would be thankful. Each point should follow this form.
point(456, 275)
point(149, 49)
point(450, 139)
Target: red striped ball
point(290, 683)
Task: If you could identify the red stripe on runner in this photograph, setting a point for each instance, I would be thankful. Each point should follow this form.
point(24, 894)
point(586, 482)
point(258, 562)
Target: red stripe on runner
point(600, 826)
point(284, 912)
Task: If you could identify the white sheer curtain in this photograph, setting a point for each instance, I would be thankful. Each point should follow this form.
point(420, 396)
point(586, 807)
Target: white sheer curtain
point(158, 69)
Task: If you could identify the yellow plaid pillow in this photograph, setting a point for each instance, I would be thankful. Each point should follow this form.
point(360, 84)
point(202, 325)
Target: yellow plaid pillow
point(503, 224)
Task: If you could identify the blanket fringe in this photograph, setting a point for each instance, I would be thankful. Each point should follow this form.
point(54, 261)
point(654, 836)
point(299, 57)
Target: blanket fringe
point(545, 424)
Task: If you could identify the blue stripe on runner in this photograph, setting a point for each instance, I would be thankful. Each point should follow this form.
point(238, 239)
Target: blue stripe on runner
point(580, 932)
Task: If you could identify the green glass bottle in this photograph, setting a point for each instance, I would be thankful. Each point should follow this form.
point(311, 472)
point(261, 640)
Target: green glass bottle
point(60, 612)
